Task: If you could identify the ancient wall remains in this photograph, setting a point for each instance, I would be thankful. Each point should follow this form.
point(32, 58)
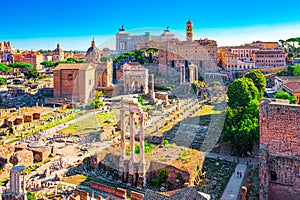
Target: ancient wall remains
point(280, 152)
point(118, 192)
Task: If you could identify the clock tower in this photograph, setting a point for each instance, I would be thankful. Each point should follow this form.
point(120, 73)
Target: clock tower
point(189, 31)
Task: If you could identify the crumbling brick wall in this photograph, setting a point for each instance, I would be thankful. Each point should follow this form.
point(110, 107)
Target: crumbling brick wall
point(118, 192)
point(280, 140)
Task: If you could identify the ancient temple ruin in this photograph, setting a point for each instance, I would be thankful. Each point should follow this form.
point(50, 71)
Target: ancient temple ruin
point(16, 189)
point(131, 171)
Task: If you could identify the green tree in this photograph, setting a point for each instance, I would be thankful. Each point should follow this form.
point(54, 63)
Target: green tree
point(140, 100)
point(291, 55)
point(32, 74)
point(241, 92)
point(284, 95)
point(21, 65)
point(241, 126)
point(49, 64)
point(98, 94)
point(30, 196)
point(3, 81)
point(4, 68)
point(290, 70)
point(296, 70)
point(96, 103)
point(258, 79)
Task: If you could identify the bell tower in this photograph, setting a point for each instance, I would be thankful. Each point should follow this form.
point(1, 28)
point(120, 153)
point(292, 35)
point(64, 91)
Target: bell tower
point(189, 31)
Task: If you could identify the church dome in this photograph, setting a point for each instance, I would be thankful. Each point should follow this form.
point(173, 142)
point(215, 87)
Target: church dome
point(93, 53)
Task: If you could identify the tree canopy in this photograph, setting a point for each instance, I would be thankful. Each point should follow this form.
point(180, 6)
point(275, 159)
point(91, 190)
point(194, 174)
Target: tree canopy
point(258, 79)
point(21, 65)
point(3, 81)
point(4, 68)
point(296, 70)
point(49, 64)
point(241, 126)
point(284, 95)
point(32, 74)
point(241, 92)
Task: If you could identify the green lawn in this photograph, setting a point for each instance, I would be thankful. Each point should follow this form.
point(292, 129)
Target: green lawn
point(91, 124)
point(75, 179)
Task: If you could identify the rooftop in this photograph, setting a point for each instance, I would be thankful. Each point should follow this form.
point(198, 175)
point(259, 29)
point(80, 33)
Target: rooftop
point(275, 51)
point(74, 66)
point(292, 86)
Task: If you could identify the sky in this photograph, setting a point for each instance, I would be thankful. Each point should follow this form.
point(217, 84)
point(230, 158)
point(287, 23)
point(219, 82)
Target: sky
point(37, 24)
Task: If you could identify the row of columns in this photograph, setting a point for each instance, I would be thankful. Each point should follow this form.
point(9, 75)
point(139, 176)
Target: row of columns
point(193, 73)
point(132, 176)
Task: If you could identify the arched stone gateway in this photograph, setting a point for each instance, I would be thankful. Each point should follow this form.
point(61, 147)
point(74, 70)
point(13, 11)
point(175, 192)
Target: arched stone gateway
point(130, 171)
point(135, 78)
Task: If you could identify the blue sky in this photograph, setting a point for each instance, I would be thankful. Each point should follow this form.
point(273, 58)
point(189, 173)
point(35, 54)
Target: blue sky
point(41, 24)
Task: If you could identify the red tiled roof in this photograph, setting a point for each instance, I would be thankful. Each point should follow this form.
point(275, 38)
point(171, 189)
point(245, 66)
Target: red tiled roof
point(292, 86)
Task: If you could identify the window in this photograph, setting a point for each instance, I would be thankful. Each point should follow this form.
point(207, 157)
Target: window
point(273, 176)
point(90, 82)
point(122, 45)
point(70, 77)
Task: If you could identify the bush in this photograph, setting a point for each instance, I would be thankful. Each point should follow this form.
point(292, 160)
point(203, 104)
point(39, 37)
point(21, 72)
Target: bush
point(30, 196)
point(166, 142)
point(284, 95)
point(140, 100)
point(163, 174)
point(3, 81)
point(155, 182)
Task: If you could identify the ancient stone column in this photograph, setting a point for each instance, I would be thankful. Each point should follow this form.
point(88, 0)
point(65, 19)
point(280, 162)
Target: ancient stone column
point(132, 157)
point(183, 74)
point(122, 155)
point(180, 75)
point(191, 74)
point(142, 179)
point(152, 87)
point(197, 78)
point(131, 117)
point(122, 134)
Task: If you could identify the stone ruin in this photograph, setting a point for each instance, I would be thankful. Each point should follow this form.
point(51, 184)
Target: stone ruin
point(130, 171)
point(279, 170)
point(16, 189)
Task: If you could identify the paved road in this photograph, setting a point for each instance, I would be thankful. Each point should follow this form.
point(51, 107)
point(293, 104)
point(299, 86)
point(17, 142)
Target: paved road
point(232, 189)
point(245, 160)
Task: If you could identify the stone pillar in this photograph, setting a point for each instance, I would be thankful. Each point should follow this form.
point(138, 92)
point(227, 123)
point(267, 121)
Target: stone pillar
point(197, 73)
point(122, 127)
point(24, 183)
point(132, 157)
point(180, 75)
point(142, 163)
point(191, 74)
point(184, 74)
point(244, 193)
point(122, 156)
point(131, 117)
point(152, 87)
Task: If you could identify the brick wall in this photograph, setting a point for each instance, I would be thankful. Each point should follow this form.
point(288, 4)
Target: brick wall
point(118, 192)
point(279, 140)
point(136, 196)
point(83, 195)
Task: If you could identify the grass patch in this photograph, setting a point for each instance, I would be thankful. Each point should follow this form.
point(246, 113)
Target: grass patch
point(91, 124)
point(75, 179)
point(184, 153)
point(4, 181)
